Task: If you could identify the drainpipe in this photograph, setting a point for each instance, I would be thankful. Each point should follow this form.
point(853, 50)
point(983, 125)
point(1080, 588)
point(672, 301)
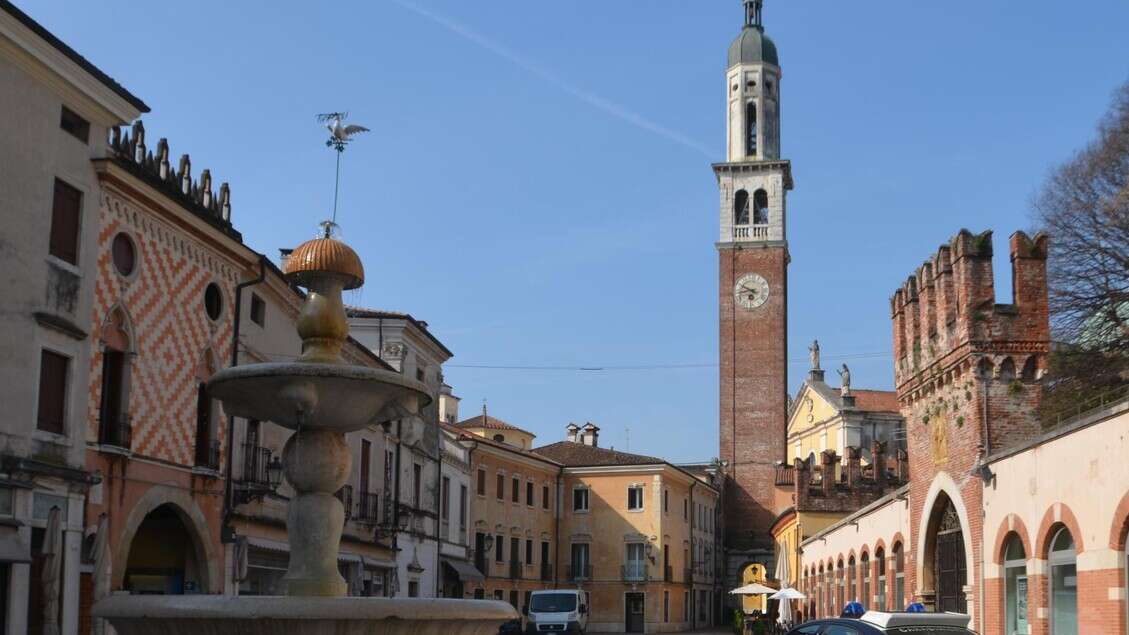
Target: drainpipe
point(227, 488)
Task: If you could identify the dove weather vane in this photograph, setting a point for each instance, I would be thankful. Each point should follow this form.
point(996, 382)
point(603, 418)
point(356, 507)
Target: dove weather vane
point(340, 134)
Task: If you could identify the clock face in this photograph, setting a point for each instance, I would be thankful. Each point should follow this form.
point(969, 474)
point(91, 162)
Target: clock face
point(751, 291)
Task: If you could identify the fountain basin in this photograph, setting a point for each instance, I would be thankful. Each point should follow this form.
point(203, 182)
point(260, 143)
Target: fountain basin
point(228, 615)
point(337, 396)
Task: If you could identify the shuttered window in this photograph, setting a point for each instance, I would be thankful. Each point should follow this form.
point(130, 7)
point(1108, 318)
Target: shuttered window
point(66, 210)
point(52, 392)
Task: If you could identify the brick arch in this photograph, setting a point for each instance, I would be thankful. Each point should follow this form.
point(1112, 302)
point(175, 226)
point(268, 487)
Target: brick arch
point(1049, 524)
point(1119, 532)
point(898, 537)
point(1011, 523)
point(864, 551)
point(880, 544)
point(851, 555)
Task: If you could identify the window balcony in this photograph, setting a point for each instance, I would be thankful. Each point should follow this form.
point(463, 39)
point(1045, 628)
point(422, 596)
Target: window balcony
point(255, 462)
point(345, 495)
point(546, 572)
point(635, 571)
point(368, 508)
point(579, 572)
point(208, 454)
point(115, 431)
point(515, 569)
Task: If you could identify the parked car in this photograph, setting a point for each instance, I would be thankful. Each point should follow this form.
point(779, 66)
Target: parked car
point(882, 623)
point(558, 611)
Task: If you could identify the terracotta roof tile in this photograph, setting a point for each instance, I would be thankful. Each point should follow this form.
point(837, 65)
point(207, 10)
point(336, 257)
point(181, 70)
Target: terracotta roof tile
point(572, 454)
point(875, 400)
point(487, 422)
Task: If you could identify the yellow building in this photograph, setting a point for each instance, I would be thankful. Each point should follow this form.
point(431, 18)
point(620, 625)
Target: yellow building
point(638, 534)
point(513, 511)
point(821, 418)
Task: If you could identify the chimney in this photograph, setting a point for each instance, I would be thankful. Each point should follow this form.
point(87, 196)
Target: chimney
point(571, 431)
point(802, 483)
point(878, 455)
point(591, 435)
point(828, 478)
point(854, 466)
point(903, 466)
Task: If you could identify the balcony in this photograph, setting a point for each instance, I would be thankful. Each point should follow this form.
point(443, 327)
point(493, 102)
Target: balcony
point(255, 462)
point(785, 475)
point(345, 495)
point(515, 569)
point(750, 232)
point(368, 508)
point(579, 572)
point(635, 571)
point(546, 572)
point(115, 431)
point(208, 454)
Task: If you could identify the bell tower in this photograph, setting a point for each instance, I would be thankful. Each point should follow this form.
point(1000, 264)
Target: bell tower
point(753, 293)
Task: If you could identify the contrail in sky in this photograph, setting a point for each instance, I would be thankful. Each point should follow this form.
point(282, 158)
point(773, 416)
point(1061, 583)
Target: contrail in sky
point(587, 97)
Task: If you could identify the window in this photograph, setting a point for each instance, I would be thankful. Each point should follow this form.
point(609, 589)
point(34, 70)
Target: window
point(515, 490)
point(7, 501)
point(213, 301)
point(499, 548)
point(75, 125)
point(635, 565)
point(840, 587)
point(444, 504)
point(421, 374)
point(880, 560)
point(529, 493)
point(544, 497)
point(581, 565)
point(685, 509)
point(462, 511)
point(666, 501)
point(481, 487)
point(513, 598)
point(258, 310)
point(515, 549)
point(851, 590)
point(1064, 584)
point(580, 499)
point(1015, 582)
point(666, 606)
point(751, 128)
point(112, 409)
point(500, 438)
point(500, 487)
point(123, 254)
point(66, 210)
point(760, 207)
point(741, 208)
point(899, 577)
point(417, 484)
point(52, 392)
point(528, 551)
point(413, 588)
point(480, 594)
point(685, 606)
point(366, 460)
point(635, 498)
point(498, 594)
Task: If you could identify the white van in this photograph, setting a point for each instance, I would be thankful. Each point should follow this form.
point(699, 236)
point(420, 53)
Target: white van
point(556, 611)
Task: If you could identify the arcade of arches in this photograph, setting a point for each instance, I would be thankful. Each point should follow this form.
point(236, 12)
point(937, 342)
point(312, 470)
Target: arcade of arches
point(162, 557)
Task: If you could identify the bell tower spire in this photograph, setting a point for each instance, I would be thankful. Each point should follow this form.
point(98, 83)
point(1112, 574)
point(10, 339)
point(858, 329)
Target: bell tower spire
point(753, 10)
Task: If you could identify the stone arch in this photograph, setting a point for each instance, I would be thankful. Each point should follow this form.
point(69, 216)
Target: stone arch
point(1057, 515)
point(1030, 369)
point(116, 331)
point(879, 544)
point(1007, 371)
point(1010, 524)
point(942, 490)
point(194, 522)
point(1119, 531)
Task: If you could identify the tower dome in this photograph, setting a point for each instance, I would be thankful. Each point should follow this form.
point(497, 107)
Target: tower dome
point(752, 46)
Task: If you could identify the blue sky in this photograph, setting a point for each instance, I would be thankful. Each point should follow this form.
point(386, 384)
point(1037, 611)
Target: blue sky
point(537, 187)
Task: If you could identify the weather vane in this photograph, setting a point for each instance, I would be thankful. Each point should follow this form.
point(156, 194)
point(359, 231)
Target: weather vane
point(340, 135)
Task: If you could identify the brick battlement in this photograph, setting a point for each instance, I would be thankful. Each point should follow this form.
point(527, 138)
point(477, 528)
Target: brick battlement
point(827, 488)
point(947, 310)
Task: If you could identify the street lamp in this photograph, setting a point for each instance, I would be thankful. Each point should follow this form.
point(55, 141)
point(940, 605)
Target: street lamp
point(274, 473)
point(488, 543)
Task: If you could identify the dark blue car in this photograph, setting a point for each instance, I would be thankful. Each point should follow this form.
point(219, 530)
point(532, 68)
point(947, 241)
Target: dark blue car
point(881, 623)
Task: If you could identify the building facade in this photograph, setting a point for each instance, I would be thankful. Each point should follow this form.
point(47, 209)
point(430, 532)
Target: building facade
point(58, 108)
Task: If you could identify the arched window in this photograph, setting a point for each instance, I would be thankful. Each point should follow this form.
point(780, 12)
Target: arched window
point(760, 207)
point(819, 591)
point(500, 438)
point(741, 208)
point(1007, 371)
point(1015, 582)
point(1030, 369)
point(840, 589)
point(899, 577)
point(864, 562)
point(1064, 584)
point(751, 128)
point(851, 590)
point(880, 560)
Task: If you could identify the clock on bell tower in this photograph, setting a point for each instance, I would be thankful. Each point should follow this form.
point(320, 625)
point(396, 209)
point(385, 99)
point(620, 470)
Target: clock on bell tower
point(753, 295)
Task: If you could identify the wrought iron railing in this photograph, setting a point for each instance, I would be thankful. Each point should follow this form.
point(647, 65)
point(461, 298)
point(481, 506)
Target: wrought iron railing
point(785, 475)
point(208, 453)
point(345, 495)
point(635, 571)
point(115, 431)
point(579, 572)
point(255, 462)
point(368, 508)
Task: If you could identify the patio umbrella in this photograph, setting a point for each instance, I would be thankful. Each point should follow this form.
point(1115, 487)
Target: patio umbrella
point(52, 563)
point(101, 571)
point(753, 589)
point(787, 593)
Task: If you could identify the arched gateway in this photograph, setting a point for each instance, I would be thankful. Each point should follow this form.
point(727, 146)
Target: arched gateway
point(945, 566)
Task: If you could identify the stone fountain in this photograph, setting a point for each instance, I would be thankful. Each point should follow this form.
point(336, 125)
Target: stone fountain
point(321, 398)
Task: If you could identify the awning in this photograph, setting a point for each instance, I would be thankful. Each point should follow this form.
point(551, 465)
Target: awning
point(372, 563)
point(13, 549)
point(465, 570)
point(282, 547)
